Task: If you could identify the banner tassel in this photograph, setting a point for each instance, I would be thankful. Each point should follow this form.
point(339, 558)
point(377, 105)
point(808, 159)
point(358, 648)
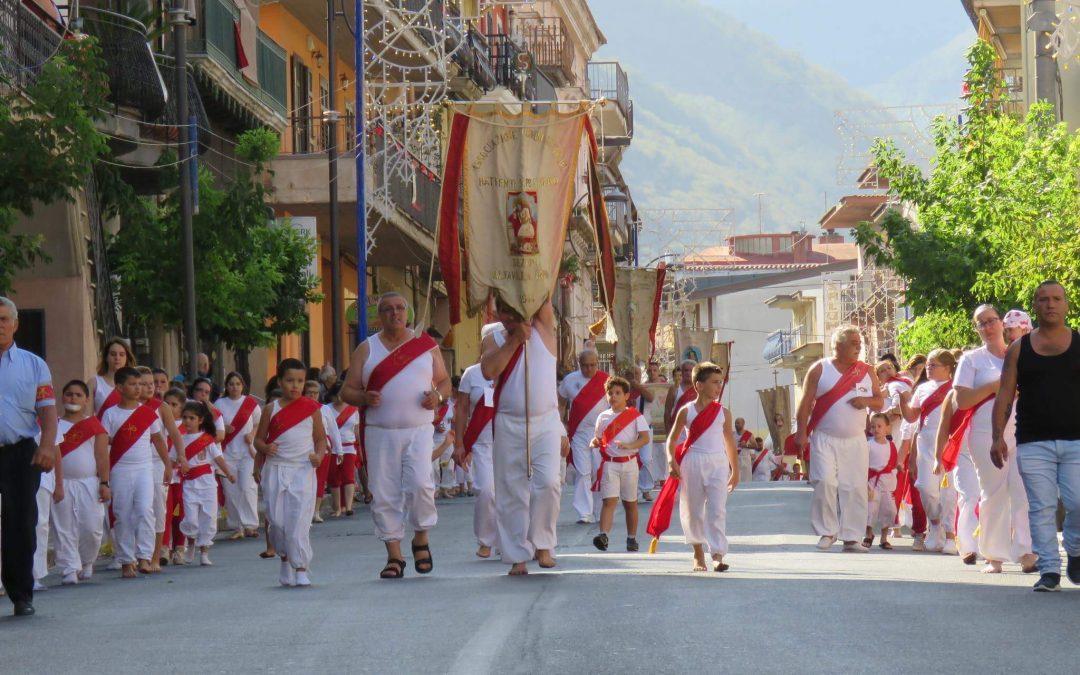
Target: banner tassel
point(653, 544)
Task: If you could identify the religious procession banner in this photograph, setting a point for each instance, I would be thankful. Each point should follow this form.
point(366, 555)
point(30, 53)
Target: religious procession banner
point(776, 404)
point(635, 313)
point(693, 343)
point(516, 172)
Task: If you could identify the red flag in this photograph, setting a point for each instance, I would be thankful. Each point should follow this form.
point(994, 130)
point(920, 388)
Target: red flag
point(661, 272)
point(449, 248)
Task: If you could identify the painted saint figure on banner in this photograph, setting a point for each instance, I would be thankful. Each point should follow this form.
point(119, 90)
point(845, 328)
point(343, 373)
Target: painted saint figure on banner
point(522, 220)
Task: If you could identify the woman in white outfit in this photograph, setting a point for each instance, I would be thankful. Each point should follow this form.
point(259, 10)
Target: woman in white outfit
point(1004, 535)
point(241, 414)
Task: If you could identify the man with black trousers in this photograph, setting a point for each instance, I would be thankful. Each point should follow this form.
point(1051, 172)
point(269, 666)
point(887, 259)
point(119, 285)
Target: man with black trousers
point(27, 409)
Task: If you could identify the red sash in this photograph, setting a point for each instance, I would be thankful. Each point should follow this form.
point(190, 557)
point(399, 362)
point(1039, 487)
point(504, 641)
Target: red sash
point(112, 399)
point(585, 401)
point(897, 378)
point(889, 467)
point(500, 383)
point(79, 433)
point(757, 460)
point(397, 360)
point(344, 415)
point(141, 419)
point(688, 395)
point(289, 416)
point(823, 403)
point(194, 448)
point(440, 414)
point(660, 516)
point(613, 429)
point(961, 422)
point(154, 404)
point(247, 409)
point(933, 401)
point(481, 416)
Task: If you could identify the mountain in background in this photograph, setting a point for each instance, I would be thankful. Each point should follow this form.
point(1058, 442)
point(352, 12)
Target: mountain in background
point(723, 111)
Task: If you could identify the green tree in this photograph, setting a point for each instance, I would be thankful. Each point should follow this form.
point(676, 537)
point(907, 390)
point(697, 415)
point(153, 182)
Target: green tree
point(251, 281)
point(49, 144)
point(996, 214)
point(936, 328)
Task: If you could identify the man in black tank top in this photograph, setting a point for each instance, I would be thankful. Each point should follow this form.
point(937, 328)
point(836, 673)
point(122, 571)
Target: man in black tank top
point(1043, 369)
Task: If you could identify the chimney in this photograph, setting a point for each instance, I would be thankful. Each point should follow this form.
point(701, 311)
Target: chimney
point(802, 246)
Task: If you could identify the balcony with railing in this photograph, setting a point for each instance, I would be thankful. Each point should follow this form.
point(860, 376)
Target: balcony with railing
point(214, 50)
point(608, 80)
point(135, 83)
point(548, 40)
point(792, 348)
point(510, 64)
point(474, 60)
point(26, 43)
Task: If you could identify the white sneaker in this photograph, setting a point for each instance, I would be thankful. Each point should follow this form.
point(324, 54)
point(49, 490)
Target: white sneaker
point(825, 543)
point(204, 559)
point(936, 539)
point(856, 547)
point(287, 576)
point(70, 579)
point(302, 578)
point(919, 544)
point(114, 565)
point(950, 547)
point(189, 555)
point(87, 571)
point(585, 520)
point(38, 586)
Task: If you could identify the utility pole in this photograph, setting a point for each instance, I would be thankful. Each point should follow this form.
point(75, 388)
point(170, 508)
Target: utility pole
point(1041, 24)
point(330, 119)
point(179, 19)
point(361, 205)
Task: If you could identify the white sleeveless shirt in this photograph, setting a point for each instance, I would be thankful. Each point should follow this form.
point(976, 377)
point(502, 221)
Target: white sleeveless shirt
point(294, 445)
point(400, 407)
point(542, 388)
point(712, 441)
point(102, 389)
point(842, 420)
point(229, 407)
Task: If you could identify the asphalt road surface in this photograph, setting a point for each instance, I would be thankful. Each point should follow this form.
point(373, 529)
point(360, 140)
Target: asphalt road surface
point(782, 607)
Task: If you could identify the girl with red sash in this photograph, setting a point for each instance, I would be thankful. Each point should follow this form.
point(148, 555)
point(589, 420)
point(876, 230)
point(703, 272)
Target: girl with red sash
point(1004, 532)
point(241, 414)
point(620, 432)
point(343, 472)
point(115, 355)
point(161, 488)
point(292, 438)
point(706, 468)
point(174, 540)
point(78, 518)
point(200, 489)
point(924, 407)
point(333, 442)
point(881, 481)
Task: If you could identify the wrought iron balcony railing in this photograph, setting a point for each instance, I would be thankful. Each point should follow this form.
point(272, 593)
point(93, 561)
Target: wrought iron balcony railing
point(26, 43)
point(608, 80)
point(134, 79)
point(548, 39)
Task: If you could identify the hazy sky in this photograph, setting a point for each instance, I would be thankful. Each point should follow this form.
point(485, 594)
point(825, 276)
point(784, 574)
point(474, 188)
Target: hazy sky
point(861, 40)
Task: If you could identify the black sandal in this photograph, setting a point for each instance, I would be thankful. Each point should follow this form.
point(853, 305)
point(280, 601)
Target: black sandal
point(428, 563)
point(395, 569)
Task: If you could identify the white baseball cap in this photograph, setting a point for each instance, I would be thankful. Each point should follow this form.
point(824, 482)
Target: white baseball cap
point(1017, 318)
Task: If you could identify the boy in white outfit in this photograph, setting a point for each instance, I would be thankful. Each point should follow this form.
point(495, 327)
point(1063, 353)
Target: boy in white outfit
point(620, 433)
point(881, 481)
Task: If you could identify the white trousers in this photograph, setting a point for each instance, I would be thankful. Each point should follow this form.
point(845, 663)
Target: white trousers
point(838, 469)
point(1004, 533)
point(41, 553)
point(966, 482)
point(133, 507)
point(241, 497)
point(290, 500)
point(399, 476)
point(78, 523)
point(160, 492)
point(746, 466)
point(585, 474)
point(703, 500)
point(485, 527)
point(938, 502)
point(660, 461)
point(526, 510)
point(881, 507)
point(200, 513)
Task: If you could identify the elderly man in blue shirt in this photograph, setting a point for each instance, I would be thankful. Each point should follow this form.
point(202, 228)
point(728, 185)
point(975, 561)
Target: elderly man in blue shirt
point(27, 408)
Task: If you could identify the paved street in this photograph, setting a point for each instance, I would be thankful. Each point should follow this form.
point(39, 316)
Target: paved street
point(783, 607)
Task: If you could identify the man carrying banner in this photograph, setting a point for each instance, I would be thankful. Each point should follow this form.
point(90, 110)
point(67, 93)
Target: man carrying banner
point(832, 414)
point(582, 394)
point(528, 435)
point(399, 378)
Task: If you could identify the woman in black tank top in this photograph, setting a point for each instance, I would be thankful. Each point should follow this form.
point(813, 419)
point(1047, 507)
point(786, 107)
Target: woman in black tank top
point(1048, 394)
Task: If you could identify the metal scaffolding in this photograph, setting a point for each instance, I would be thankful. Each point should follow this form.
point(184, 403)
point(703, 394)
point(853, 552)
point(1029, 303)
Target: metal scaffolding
point(909, 127)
